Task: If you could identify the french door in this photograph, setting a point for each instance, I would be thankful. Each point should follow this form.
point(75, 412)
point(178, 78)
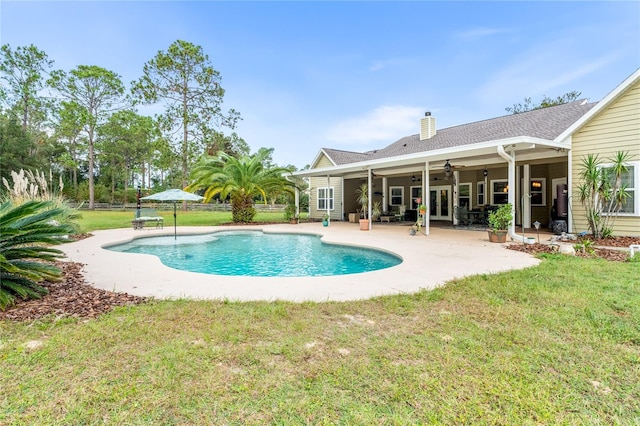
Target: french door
point(440, 203)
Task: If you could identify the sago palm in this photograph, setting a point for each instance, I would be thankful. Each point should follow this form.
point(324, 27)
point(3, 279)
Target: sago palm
point(241, 179)
point(27, 232)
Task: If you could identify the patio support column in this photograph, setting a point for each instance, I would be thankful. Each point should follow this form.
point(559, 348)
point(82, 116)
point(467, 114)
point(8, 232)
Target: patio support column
point(425, 195)
point(454, 192)
point(297, 201)
point(511, 161)
point(370, 196)
point(328, 199)
point(385, 204)
point(569, 184)
point(526, 196)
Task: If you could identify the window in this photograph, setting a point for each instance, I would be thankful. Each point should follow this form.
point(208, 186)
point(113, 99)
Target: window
point(499, 191)
point(416, 192)
point(464, 195)
point(397, 195)
point(325, 198)
point(538, 191)
point(480, 188)
point(631, 180)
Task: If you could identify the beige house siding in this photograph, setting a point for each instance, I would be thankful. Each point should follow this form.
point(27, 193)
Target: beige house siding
point(321, 182)
point(323, 161)
point(616, 128)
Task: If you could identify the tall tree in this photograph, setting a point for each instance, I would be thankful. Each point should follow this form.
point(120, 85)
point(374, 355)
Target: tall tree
point(98, 92)
point(242, 179)
point(16, 147)
point(68, 131)
point(25, 70)
point(184, 81)
point(546, 101)
point(126, 141)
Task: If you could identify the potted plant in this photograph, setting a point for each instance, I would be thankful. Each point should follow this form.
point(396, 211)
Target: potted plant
point(290, 214)
point(362, 197)
point(422, 209)
point(325, 219)
point(499, 222)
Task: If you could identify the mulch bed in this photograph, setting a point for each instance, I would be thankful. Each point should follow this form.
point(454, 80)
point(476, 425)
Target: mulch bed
point(71, 297)
point(599, 248)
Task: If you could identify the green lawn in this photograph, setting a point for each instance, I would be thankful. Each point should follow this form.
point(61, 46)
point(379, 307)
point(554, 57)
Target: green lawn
point(554, 344)
point(91, 220)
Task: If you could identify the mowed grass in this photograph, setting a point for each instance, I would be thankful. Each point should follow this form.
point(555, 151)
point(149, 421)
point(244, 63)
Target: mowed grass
point(554, 344)
point(92, 220)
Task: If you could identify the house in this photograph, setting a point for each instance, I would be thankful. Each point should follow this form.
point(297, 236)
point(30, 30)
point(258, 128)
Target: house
point(531, 160)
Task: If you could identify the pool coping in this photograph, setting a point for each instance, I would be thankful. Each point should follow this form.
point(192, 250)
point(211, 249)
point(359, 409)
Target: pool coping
point(428, 262)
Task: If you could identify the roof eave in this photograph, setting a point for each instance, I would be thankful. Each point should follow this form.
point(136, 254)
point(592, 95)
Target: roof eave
point(483, 148)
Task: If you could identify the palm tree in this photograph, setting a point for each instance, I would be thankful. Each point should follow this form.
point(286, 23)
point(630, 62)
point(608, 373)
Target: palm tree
point(242, 179)
point(603, 193)
point(26, 233)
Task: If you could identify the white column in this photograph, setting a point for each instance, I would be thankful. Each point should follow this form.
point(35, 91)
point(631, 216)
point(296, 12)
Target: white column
point(297, 201)
point(370, 196)
point(526, 196)
point(385, 203)
point(328, 203)
point(512, 188)
point(454, 196)
point(425, 196)
point(569, 190)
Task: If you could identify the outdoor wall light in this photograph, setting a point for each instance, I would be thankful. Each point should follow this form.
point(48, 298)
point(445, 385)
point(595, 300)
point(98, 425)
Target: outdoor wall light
point(485, 173)
point(447, 167)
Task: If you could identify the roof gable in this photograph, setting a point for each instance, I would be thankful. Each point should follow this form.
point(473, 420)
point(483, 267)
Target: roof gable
point(615, 94)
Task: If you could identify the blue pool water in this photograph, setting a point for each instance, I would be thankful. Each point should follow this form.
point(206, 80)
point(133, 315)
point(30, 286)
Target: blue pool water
point(253, 253)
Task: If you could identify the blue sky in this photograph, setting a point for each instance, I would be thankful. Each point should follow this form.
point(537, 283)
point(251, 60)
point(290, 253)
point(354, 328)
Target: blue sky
point(350, 75)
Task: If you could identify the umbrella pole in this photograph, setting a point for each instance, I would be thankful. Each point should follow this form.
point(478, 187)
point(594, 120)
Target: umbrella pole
point(175, 229)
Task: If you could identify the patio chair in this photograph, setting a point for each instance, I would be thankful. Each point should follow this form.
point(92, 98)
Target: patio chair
point(401, 212)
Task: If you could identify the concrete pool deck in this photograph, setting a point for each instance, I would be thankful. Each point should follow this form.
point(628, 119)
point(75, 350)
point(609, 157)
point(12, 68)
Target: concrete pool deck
point(428, 262)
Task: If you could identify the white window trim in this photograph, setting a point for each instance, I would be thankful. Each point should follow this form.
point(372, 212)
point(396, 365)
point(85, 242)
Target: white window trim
point(492, 192)
point(635, 189)
point(331, 198)
point(391, 188)
point(483, 193)
point(470, 196)
point(543, 191)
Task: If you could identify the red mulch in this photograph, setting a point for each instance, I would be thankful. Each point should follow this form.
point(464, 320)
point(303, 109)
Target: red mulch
point(71, 297)
point(599, 248)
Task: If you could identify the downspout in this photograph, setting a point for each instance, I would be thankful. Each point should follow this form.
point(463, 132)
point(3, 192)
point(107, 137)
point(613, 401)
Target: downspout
point(512, 188)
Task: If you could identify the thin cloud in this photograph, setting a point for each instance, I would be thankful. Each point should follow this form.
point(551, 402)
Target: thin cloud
point(480, 32)
point(384, 124)
point(525, 77)
point(386, 63)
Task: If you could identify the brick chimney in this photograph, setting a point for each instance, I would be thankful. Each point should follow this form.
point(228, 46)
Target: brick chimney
point(427, 126)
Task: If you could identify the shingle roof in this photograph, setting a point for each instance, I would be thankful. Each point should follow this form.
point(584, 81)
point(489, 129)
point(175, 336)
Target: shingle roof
point(546, 123)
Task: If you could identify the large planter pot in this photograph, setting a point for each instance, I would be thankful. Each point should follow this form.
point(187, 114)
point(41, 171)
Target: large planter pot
point(325, 223)
point(364, 224)
point(499, 236)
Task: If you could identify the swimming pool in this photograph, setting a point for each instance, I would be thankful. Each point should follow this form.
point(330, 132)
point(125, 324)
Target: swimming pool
point(254, 253)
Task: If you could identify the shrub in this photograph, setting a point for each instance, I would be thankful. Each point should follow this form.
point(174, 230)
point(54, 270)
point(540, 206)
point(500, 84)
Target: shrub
point(26, 233)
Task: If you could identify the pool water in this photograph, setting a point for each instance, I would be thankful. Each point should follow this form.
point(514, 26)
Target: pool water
point(254, 253)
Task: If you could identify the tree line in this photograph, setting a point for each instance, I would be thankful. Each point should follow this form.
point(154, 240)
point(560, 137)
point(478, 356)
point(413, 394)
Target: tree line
point(83, 126)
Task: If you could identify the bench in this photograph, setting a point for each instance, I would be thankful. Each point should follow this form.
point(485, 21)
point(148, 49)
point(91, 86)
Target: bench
point(143, 216)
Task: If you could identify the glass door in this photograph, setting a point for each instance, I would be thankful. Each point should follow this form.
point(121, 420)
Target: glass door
point(440, 203)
